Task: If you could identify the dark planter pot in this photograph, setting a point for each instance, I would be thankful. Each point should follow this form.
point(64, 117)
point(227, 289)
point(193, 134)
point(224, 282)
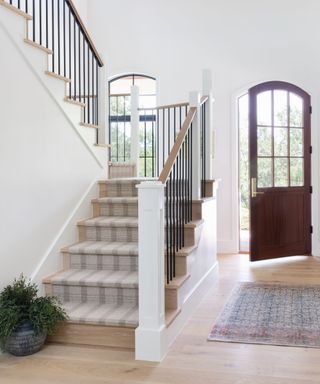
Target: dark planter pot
point(23, 341)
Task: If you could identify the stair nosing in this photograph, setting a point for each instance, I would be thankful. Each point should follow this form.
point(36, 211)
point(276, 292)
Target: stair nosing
point(88, 283)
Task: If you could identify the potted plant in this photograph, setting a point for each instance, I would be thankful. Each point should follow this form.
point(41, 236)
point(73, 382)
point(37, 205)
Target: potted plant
point(25, 318)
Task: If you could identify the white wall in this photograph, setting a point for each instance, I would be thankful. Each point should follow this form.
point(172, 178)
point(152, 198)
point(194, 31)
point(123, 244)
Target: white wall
point(81, 6)
point(46, 168)
point(243, 42)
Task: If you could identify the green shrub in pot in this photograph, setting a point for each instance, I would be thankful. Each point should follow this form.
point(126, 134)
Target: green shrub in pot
point(25, 318)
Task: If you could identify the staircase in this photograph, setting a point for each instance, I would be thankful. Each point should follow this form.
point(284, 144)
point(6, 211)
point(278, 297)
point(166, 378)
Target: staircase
point(99, 283)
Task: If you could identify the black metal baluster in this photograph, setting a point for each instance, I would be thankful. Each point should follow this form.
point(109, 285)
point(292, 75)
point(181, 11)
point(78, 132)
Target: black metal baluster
point(124, 128)
point(152, 145)
point(52, 29)
point(40, 22)
point(34, 19)
point(170, 225)
point(47, 24)
point(70, 66)
point(204, 150)
point(84, 80)
point(158, 143)
point(169, 133)
point(145, 144)
point(190, 180)
point(74, 60)
point(79, 57)
point(167, 232)
point(92, 89)
point(89, 91)
point(97, 92)
point(173, 219)
point(58, 26)
point(64, 39)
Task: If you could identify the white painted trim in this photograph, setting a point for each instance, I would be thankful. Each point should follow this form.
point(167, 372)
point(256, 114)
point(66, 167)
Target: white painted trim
point(190, 304)
point(234, 137)
point(149, 343)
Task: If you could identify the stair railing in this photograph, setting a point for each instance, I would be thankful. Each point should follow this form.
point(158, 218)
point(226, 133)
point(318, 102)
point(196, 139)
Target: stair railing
point(57, 26)
point(165, 208)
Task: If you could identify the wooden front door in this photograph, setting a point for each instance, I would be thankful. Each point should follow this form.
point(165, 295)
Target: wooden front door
point(280, 169)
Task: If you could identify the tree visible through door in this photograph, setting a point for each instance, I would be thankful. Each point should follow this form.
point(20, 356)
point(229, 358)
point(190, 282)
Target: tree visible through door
point(280, 152)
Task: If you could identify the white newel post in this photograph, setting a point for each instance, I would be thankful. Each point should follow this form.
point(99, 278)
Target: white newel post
point(135, 126)
point(207, 91)
point(149, 343)
point(103, 105)
point(194, 101)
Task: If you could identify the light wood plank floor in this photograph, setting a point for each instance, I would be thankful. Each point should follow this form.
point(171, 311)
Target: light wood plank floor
point(191, 360)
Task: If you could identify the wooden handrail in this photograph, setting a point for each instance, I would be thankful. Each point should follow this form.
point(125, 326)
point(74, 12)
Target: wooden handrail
point(177, 145)
point(204, 99)
point(85, 31)
point(165, 107)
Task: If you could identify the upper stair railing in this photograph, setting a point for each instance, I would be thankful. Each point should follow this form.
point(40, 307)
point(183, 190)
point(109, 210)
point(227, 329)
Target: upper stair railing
point(57, 26)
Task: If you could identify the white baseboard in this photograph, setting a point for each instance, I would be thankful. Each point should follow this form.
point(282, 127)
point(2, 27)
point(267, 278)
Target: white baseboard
point(227, 246)
point(190, 305)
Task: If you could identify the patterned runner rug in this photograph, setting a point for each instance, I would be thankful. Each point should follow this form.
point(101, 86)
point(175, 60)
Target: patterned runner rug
point(276, 314)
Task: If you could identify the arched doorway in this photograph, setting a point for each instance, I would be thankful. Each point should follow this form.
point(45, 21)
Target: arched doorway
point(120, 119)
point(279, 171)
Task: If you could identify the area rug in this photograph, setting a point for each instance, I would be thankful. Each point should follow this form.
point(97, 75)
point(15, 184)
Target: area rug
point(276, 314)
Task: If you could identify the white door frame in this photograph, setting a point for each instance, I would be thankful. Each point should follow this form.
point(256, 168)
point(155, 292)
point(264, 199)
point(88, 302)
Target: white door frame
point(315, 163)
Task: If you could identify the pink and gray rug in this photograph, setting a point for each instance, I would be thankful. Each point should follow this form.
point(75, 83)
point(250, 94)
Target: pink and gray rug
point(276, 314)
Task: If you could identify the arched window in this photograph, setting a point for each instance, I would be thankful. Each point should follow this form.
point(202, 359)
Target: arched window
point(120, 112)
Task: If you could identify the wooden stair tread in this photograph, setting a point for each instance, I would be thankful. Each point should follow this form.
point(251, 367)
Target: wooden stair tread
point(16, 10)
point(36, 45)
point(194, 223)
point(59, 77)
point(185, 251)
point(177, 282)
point(75, 102)
point(87, 125)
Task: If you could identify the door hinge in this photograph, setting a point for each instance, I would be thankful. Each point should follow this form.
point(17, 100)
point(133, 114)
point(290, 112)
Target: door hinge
point(311, 189)
point(311, 228)
point(310, 109)
point(310, 148)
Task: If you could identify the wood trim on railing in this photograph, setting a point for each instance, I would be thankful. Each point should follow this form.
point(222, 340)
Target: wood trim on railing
point(164, 107)
point(85, 31)
point(204, 99)
point(176, 147)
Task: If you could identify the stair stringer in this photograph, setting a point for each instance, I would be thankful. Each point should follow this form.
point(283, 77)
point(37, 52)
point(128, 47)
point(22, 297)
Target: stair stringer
point(14, 26)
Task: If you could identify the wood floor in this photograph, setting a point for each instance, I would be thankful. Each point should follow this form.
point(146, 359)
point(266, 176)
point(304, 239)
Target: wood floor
point(191, 360)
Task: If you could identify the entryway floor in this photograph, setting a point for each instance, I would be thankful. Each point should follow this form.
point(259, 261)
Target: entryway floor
point(191, 360)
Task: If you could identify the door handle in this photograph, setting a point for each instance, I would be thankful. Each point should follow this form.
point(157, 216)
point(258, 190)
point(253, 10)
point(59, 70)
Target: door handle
point(254, 192)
